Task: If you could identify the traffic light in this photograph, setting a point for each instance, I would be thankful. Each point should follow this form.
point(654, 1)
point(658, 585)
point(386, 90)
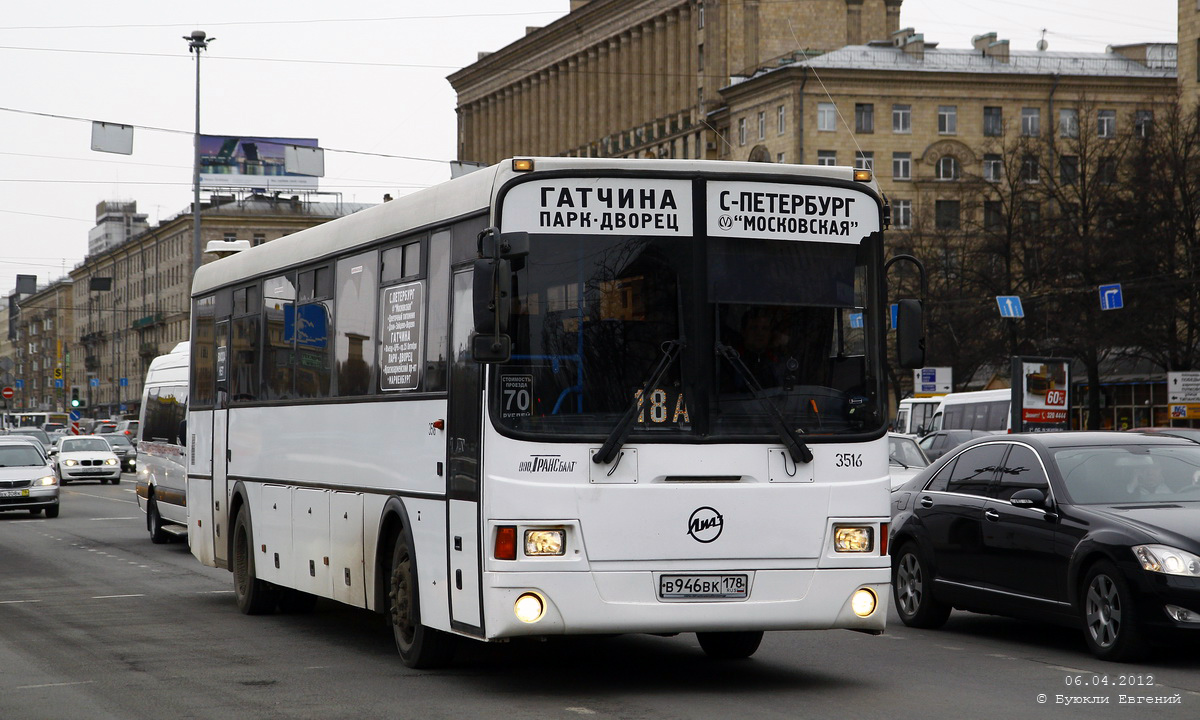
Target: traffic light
point(75, 397)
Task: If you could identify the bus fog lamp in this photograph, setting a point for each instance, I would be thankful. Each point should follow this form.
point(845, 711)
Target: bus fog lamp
point(863, 602)
point(852, 539)
point(529, 608)
point(544, 542)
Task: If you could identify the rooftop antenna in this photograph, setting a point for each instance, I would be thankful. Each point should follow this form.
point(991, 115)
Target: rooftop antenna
point(1042, 44)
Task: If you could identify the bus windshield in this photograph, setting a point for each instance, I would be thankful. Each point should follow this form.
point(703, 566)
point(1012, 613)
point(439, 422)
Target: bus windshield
point(773, 328)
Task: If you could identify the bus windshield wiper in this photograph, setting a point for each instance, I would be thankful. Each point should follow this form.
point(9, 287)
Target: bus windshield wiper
point(620, 433)
point(796, 448)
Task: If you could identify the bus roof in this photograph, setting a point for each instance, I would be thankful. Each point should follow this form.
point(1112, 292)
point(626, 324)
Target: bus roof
point(460, 197)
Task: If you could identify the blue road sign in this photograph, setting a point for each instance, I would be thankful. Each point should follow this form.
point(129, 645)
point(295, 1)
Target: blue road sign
point(895, 314)
point(856, 320)
point(20, 384)
point(1010, 306)
point(75, 415)
point(94, 382)
point(58, 383)
point(1110, 297)
point(124, 382)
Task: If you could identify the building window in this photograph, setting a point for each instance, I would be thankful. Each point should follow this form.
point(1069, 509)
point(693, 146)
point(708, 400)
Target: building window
point(993, 168)
point(762, 126)
point(1106, 170)
point(993, 214)
point(902, 213)
point(741, 131)
point(864, 118)
point(947, 214)
point(947, 119)
point(1068, 168)
point(826, 157)
point(826, 117)
point(902, 166)
point(1030, 169)
point(700, 57)
point(946, 168)
point(230, 237)
point(700, 16)
point(1068, 123)
point(902, 118)
point(1142, 122)
point(259, 239)
point(1031, 121)
point(864, 160)
point(993, 122)
point(781, 158)
point(1106, 123)
point(781, 116)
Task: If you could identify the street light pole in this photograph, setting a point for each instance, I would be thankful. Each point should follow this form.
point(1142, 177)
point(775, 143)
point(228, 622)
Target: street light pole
point(197, 41)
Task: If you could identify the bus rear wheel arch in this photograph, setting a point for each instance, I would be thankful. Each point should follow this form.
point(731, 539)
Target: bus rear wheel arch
point(254, 596)
point(419, 646)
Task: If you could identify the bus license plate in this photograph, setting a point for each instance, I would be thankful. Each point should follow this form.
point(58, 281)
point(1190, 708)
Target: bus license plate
point(703, 587)
point(15, 493)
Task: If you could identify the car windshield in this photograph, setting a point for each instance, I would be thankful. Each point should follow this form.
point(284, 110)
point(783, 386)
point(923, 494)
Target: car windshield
point(85, 445)
point(905, 451)
point(20, 456)
point(776, 332)
point(1137, 474)
point(115, 439)
point(39, 434)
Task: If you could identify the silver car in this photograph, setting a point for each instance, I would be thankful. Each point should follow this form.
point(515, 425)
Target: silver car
point(86, 457)
point(27, 480)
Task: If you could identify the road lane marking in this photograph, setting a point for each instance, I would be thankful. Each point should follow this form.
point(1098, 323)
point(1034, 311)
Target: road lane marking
point(115, 518)
point(110, 597)
point(580, 710)
point(61, 684)
point(17, 602)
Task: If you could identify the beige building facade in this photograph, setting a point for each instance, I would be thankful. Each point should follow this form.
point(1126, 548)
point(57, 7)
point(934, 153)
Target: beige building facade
point(1189, 52)
point(634, 79)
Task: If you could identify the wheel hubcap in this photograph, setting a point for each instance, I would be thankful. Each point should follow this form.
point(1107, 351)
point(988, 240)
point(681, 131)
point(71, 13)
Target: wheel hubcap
point(1103, 611)
point(909, 584)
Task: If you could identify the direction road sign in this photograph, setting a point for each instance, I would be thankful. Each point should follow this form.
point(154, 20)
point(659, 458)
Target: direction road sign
point(1183, 387)
point(1110, 297)
point(856, 320)
point(1010, 306)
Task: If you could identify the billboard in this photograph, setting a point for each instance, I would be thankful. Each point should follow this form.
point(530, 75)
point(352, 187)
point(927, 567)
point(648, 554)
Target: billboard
point(253, 162)
point(1041, 394)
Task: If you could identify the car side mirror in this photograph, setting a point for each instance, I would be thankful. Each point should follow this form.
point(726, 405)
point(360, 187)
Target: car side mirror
point(1028, 498)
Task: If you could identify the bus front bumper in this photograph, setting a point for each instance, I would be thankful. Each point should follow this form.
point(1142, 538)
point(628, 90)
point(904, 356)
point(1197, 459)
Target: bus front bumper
point(581, 603)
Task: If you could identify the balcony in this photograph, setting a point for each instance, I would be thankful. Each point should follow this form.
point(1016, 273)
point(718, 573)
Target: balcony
point(148, 321)
point(92, 337)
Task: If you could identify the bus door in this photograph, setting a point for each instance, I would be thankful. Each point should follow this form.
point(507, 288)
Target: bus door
point(463, 432)
point(220, 448)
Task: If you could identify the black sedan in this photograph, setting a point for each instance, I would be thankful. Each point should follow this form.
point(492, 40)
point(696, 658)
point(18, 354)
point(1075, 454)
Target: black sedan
point(1094, 530)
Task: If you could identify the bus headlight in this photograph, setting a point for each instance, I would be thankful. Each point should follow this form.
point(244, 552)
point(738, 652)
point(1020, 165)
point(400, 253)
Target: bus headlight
point(853, 538)
point(529, 608)
point(863, 602)
point(544, 542)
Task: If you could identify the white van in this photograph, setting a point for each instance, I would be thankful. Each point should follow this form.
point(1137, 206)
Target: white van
point(161, 463)
point(987, 410)
point(915, 415)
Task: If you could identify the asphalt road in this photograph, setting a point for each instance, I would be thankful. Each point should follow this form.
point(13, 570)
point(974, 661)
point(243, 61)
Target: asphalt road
point(98, 622)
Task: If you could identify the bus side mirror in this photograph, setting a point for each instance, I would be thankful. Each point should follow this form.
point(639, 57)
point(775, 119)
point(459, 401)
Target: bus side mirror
point(492, 295)
point(910, 335)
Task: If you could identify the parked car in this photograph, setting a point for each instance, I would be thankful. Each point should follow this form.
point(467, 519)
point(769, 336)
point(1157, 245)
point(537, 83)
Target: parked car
point(1096, 530)
point(939, 443)
point(37, 433)
point(905, 458)
point(123, 449)
point(27, 479)
point(86, 457)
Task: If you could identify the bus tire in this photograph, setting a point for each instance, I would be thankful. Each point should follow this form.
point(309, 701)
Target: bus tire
point(419, 646)
point(254, 596)
point(154, 523)
point(729, 645)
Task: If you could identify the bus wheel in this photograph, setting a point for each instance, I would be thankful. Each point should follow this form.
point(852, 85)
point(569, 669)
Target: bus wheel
point(419, 646)
point(729, 645)
point(254, 596)
point(154, 523)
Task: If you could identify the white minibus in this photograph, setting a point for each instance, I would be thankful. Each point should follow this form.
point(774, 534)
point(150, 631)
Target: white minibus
point(161, 471)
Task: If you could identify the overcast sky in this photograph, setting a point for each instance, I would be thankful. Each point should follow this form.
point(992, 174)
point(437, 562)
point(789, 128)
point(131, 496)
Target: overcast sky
point(366, 78)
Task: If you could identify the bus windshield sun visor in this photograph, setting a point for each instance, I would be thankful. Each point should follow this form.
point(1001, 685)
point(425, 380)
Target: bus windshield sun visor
point(796, 448)
point(620, 432)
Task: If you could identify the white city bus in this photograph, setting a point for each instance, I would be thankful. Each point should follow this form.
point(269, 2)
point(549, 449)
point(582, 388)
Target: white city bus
point(161, 472)
point(434, 408)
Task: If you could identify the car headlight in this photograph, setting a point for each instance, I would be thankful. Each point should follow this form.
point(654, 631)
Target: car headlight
point(1167, 560)
point(48, 480)
point(111, 461)
point(70, 463)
